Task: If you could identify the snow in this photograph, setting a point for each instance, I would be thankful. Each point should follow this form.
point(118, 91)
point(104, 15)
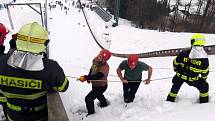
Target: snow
point(72, 45)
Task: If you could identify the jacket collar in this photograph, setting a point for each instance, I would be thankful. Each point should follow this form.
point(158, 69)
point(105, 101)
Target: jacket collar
point(197, 52)
point(26, 60)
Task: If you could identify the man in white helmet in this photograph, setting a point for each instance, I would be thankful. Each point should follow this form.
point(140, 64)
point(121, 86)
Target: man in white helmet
point(26, 77)
point(191, 66)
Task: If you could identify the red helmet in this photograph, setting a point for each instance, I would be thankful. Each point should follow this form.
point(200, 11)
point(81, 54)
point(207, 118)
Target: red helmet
point(106, 54)
point(3, 33)
point(3, 30)
point(132, 59)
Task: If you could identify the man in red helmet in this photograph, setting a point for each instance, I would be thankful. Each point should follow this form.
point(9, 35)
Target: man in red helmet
point(132, 76)
point(98, 77)
point(3, 33)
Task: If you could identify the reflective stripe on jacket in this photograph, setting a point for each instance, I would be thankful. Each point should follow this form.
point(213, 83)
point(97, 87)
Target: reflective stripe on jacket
point(190, 70)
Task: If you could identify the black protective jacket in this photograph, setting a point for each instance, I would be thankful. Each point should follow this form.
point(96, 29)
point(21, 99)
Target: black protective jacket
point(26, 91)
point(190, 69)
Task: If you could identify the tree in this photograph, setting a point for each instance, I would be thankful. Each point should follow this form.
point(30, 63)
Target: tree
point(204, 16)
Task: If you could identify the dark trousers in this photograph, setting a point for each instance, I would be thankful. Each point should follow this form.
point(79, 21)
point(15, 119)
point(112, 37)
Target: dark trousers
point(95, 93)
point(129, 90)
point(200, 84)
point(28, 116)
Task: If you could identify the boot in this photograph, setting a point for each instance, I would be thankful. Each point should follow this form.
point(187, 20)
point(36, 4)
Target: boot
point(90, 113)
point(125, 95)
point(204, 99)
point(171, 99)
point(104, 104)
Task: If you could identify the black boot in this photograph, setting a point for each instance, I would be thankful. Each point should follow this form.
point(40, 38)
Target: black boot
point(204, 99)
point(90, 113)
point(170, 98)
point(104, 104)
point(125, 95)
point(130, 100)
point(126, 100)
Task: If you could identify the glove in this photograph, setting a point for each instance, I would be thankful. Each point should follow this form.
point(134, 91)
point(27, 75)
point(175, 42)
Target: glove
point(82, 78)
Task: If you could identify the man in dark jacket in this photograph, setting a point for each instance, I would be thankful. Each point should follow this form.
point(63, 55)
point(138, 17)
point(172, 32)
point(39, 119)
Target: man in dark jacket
point(13, 42)
point(3, 33)
point(98, 77)
point(132, 76)
point(191, 66)
point(26, 77)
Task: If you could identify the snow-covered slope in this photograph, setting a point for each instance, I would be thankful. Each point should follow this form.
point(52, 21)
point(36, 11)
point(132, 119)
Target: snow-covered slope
point(150, 104)
point(74, 48)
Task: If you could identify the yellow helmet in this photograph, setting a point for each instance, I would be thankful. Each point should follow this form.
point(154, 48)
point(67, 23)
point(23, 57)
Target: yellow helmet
point(32, 38)
point(198, 40)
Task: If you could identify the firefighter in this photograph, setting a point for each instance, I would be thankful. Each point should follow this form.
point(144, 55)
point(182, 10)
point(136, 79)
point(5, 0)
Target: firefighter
point(3, 33)
point(133, 69)
point(26, 77)
point(98, 74)
point(191, 66)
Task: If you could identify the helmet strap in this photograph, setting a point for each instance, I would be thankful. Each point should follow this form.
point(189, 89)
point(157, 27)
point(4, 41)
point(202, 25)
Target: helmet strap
point(192, 41)
point(46, 42)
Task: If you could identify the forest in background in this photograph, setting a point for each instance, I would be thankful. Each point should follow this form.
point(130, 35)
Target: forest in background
point(162, 15)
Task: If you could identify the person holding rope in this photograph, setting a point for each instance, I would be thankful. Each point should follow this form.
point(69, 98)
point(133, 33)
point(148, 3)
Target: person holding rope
point(132, 76)
point(98, 77)
point(191, 66)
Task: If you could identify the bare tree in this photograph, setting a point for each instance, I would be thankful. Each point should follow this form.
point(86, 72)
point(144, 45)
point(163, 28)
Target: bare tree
point(189, 5)
point(204, 16)
point(200, 3)
point(175, 16)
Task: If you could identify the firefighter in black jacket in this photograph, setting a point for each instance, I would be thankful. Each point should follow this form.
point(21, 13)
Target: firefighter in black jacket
point(191, 66)
point(26, 77)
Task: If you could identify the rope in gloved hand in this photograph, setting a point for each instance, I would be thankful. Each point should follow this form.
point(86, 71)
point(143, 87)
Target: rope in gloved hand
point(77, 78)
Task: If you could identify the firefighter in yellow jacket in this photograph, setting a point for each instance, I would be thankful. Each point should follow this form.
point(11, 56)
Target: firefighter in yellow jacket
point(26, 76)
point(191, 66)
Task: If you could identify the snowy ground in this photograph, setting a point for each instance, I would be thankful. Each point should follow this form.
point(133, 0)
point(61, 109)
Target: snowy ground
point(74, 48)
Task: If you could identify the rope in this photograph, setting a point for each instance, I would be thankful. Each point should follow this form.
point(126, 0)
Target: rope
point(118, 81)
